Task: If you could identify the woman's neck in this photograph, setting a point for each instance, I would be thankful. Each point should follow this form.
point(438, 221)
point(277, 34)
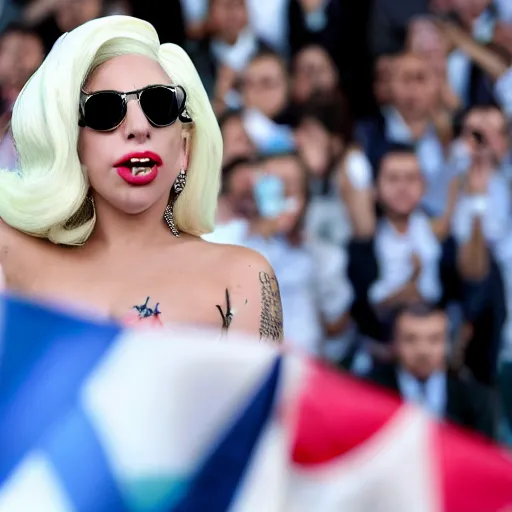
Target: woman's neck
point(116, 230)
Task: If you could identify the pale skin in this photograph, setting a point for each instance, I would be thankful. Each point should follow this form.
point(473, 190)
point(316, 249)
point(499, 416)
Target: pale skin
point(132, 254)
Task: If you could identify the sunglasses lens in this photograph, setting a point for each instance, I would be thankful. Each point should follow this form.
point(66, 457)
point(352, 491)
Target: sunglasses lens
point(104, 111)
point(160, 105)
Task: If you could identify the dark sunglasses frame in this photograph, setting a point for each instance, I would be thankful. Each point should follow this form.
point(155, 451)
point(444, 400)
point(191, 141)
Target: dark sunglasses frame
point(177, 90)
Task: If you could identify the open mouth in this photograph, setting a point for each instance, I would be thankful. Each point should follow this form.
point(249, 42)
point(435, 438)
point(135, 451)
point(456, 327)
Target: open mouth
point(139, 166)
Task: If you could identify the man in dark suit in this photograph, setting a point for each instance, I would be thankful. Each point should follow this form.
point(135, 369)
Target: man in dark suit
point(421, 375)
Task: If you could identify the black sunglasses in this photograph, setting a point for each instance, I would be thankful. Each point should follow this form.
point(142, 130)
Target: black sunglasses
point(105, 110)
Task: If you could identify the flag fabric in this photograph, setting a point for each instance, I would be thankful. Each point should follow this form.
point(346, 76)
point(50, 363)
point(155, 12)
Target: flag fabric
point(97, 418)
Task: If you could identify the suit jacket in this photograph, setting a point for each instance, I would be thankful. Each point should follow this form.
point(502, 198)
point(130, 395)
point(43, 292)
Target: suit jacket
point(468, 404)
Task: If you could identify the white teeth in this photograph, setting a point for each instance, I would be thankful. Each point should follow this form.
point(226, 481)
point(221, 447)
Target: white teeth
point(137, 160)
point(141, 171)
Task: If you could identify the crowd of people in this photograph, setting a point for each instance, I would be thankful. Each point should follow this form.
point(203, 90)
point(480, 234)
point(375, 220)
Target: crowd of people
point(367, 155)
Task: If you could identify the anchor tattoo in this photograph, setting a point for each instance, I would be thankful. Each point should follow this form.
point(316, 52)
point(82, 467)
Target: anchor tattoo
point(228, 315)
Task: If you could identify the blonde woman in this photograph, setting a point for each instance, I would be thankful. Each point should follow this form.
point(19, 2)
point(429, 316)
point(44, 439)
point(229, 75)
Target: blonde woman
point(120, 157)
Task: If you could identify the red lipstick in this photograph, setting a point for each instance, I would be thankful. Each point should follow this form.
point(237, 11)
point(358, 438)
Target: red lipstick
point(133, 167)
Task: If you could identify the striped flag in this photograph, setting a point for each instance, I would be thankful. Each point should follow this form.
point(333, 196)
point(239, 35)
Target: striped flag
point(97, 418)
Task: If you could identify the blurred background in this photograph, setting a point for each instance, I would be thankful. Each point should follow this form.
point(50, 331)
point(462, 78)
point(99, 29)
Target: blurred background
point(367, 155)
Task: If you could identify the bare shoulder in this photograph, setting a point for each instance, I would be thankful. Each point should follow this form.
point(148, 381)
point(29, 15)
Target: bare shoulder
point(21, 255)
point(253, 290)
point(10, 239)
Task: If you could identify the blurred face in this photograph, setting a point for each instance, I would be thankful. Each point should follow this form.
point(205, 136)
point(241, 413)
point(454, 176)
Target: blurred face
point(227, 19)
point(421, 343)
point(400, 184)
point(313, 71)
point(20, 55)
point(105, 154)
point(236, 141)
point(239, 191)
point(414, 88)
point(383, 76)
point(265, 86)
point(315, 146)
point(72, 13)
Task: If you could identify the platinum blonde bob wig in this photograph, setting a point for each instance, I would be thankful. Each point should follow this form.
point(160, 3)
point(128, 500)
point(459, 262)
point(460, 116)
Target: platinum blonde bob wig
point(46, 196)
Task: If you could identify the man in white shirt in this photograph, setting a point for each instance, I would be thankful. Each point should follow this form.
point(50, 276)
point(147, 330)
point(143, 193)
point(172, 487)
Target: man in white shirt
point(414, 92)
point(411, 258)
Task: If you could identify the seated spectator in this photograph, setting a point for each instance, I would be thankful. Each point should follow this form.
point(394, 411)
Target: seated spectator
point(313, 71)
point(321, 22)
point(325, 141)
point(237, 143)
point(409, 118)
point(465, 84)
point(264, 89)
point(236, 205)
point(66, 15)
point(225, 50)
point(420, 372)
point(315, 292)
point(409, 258)
point(425, 39)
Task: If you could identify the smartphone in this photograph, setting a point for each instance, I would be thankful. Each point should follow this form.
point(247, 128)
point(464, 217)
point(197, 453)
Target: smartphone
point(269, 195)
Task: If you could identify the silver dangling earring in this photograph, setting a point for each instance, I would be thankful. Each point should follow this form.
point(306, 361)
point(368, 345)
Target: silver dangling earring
point(179, 185)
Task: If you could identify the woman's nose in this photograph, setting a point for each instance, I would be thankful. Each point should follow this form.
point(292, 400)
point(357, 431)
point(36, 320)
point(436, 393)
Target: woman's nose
point(136, 125)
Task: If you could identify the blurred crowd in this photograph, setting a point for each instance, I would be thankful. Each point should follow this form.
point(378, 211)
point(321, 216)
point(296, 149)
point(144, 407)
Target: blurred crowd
point(367, 155)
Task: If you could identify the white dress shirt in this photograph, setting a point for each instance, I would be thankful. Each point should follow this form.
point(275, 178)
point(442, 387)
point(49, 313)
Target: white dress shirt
point(394, 252)
point(431, 394)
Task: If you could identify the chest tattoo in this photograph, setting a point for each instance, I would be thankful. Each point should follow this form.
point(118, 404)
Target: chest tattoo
point(145, 311)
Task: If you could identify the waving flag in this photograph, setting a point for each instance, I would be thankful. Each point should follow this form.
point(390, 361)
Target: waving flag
point(95, 418)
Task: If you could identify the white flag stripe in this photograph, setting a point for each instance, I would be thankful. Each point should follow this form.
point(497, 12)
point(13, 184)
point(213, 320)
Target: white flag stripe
point(158, 404)
point(34, 487)
point(266, 481)
point(391, 472)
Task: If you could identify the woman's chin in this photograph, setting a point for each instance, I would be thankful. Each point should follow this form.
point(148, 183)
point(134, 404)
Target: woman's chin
point(135, 204)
